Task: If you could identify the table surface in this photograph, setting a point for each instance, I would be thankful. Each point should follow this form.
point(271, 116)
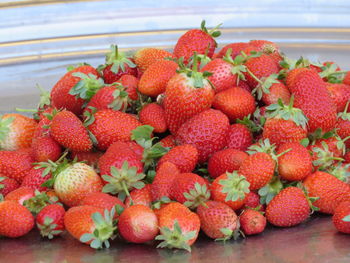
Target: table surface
point(315, 241)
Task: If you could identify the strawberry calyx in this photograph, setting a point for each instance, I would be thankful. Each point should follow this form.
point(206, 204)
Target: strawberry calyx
point(309, 199)
point(163, 200)
point(331, 72)
point(122, 180)
point(287, 112)
point(121, 99)
point(72, 67)
point(5, 127)
point(197, 196)
point(118, 60)
point(264, 85)
point(325, 158)
point(341, 171)
point(235, 186)
point(214, 32)
point(269, 191)
point(175, 238)
point(288, 63)
point(237, 65)
point(229, 234)
point(253, 126)
point(2, 186)
point(38, 202)
point(263, 146)
point(87, 86)
point(346, 218)
point(48, 228)
point(345, 115)
point(104, 229)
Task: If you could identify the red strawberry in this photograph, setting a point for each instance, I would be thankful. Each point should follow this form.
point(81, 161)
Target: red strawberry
point(346, 79)
point(236, 48)
point(187, 94)
point(252, 222)
point(14, 164)
point(239, 137)
point(20, 195)
point(91, 158)
point(137, 149)
point(154, 80)
point(16, 131)
point(153, 114)
point(284, 124)
point(185, 157)
point(117, 65)
point(35, 178)
point(200, 41)
point(179, 227)
point(7, 185)
point(264, 46)
point(330, 190)
point(258, 169)
point(138, 224)
point(231, 189)
point(90, 225)
point(102, 200)
point(289, 207)
point(253, 201)
point(347, 157)
point(68, 130)
point(83, 77)
point(207, 131)
point(50, 220)
point(235, 102)
point(274, 92)
point(145, 57)
point(340, 94)
point(259, 67)
point(110, 126)
point(227, 160)
point(295, 164)
point(16, 220)
point(218, 220)
point(141, 196)
point(312, 97)
point(42, 129)
point(163, 180)
point(341, 217)
point(168, 141)
point(190, 189)
point(46, 148)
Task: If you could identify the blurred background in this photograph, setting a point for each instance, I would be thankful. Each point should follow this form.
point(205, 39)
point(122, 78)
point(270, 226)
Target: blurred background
point(38, 39)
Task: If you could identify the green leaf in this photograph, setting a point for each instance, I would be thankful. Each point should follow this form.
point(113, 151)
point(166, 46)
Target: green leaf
point(346, 219)
point(86, 238)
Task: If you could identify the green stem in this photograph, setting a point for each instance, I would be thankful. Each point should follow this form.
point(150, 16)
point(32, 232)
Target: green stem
point(125, 188)
point(254, 77)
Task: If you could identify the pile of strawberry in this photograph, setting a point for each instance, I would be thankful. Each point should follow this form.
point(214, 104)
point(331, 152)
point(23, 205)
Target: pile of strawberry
point(159, 145)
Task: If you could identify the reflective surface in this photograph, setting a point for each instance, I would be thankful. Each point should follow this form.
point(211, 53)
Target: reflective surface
point(315, 241)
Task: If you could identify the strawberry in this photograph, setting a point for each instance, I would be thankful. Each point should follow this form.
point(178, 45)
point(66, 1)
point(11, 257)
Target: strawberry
point(206, 131)
point(271, 93)
point(141, 196)
point(110, 126)
point(239, 137)
point(341, 217)
point(131, 83)
point(284, 124)
point(258, 169)
point(312, 97)
point(253, 201)
point(295, 164)
point(69, 131)
point(187, 93)
point(109, 97)
point(16, 131)
point(16, 220)
point(347, 157)
point(74, 181)
point(138, 224)
point(117, 65)
point(200, 41)
point(145, 57)
point(236, 48)
point(231, 189)
point(137, 149)
point(258, 67)
point(189, 189)
point(20, 195)
point(154, 80)
point(163, 180)
point(7, 185)
point(35, 177)
point(264, 46)
point(46, 148)
point(42, 129)
point(83, 79)
point(153, 114)
point(102, 200)
point(90, 225)
point(227, 160)
point(330, 190)
point(252, 222)
point(91, 158)
point(179, 227)
point(289, 207)
point(218, 220)
point(346, 79)
point(168, 141)
point(50, 221)
point(340, 94)
point(185, 157)
point(235, 102)
point(14, 164)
